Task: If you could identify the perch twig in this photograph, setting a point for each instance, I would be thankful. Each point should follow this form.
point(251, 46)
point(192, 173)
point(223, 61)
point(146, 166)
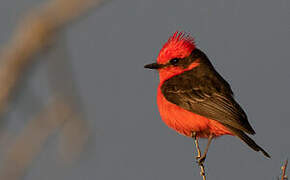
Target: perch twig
point(283, 168)
point(202, 169)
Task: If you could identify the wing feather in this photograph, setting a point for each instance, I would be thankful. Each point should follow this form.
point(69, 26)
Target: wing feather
point(207, 95)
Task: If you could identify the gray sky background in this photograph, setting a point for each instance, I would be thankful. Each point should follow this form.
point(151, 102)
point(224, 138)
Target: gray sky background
point(248, 43)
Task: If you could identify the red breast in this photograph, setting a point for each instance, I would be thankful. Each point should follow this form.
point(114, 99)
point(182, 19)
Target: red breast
point(186, 122)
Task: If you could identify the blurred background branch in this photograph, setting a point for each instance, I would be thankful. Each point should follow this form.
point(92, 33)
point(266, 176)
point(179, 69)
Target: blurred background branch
point(36, 33)
point(29, 142)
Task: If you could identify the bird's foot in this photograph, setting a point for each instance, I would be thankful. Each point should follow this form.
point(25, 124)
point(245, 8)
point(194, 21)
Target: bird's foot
point(200, 159)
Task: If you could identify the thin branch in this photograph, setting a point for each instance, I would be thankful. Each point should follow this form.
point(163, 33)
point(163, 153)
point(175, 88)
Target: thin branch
point(202, 169)
point(283, 168)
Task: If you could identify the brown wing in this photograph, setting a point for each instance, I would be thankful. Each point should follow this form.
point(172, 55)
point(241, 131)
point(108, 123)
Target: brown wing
point(203, 91)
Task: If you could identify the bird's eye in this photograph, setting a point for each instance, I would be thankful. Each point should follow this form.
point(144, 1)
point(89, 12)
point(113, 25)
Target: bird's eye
point(174, 61)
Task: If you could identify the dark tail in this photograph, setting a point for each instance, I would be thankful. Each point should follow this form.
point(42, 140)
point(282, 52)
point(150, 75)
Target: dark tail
point(250, 142)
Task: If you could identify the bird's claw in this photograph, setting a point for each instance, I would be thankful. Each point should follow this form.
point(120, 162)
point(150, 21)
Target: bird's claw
point(200, 159)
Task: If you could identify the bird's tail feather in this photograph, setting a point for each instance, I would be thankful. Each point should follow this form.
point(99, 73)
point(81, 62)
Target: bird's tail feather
point(250, 142)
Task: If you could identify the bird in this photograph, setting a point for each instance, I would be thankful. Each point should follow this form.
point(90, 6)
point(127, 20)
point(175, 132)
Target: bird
point(194, 99)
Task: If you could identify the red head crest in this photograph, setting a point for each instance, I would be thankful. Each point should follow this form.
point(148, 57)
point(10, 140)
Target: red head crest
point(180, 45)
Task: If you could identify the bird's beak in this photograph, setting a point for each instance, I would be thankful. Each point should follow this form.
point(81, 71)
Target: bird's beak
point(153, 66)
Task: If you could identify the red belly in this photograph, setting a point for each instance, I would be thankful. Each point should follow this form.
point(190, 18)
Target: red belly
point(186, 122)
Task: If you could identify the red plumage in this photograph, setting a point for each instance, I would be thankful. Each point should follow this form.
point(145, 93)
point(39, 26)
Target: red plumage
point(185, 122)
point(192, 96)
point(179, 45)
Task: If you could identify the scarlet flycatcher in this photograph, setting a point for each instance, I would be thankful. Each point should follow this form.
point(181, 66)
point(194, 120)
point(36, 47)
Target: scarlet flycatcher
point(194, 99)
